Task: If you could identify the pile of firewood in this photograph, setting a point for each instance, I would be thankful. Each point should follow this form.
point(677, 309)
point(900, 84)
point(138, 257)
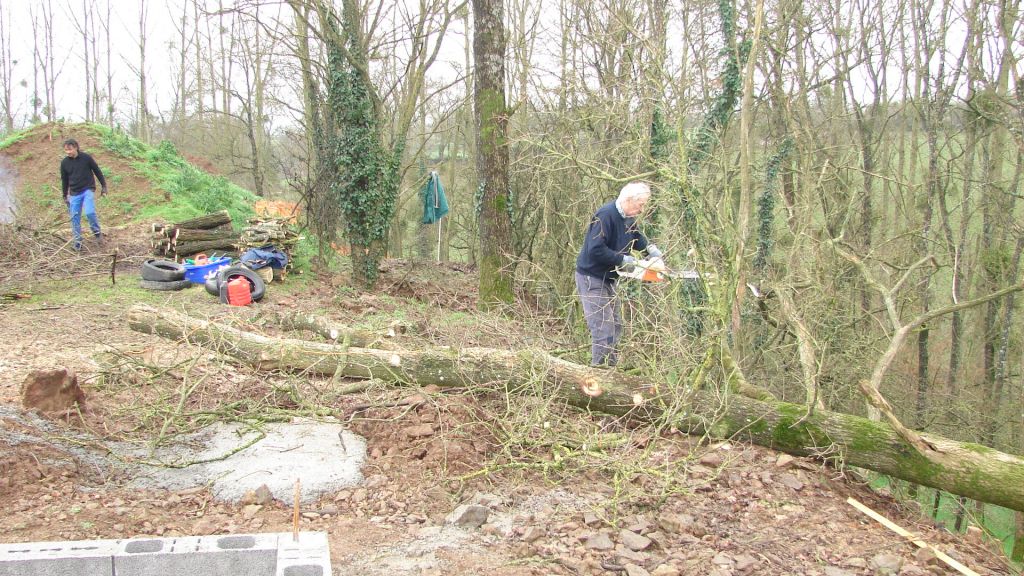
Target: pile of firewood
point(203, 234)
point(264, 230)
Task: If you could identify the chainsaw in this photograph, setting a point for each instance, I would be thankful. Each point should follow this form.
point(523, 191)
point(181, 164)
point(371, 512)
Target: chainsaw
point(654, 270)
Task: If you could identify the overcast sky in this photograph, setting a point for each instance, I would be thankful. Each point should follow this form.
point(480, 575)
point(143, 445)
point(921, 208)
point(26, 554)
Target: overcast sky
point(22, 17)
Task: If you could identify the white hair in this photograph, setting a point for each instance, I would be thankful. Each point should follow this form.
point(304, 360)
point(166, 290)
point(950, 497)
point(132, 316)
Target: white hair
point(634, 190)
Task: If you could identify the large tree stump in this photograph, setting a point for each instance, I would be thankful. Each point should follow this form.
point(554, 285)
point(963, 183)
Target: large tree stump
point(961, 468)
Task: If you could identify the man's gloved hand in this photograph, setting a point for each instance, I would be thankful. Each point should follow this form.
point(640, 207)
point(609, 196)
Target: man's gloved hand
point(628, 263)
point(103, 191)
point(654, 252)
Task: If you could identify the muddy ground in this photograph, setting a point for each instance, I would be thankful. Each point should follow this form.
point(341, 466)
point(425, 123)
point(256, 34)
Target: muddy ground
point(566, 492)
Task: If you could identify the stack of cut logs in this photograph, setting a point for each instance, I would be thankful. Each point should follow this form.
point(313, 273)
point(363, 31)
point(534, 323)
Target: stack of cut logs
point(204, 234)
point(264, 230)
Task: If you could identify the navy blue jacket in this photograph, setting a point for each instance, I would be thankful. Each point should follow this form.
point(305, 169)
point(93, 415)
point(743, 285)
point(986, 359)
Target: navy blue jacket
point(609, 237)
point(76, 174)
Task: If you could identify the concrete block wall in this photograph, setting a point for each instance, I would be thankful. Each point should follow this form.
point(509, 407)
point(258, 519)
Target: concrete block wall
point(302, 558)
point(274, 554)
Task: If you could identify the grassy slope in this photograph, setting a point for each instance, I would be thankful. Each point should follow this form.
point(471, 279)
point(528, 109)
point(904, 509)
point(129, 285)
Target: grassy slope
point(146, 183)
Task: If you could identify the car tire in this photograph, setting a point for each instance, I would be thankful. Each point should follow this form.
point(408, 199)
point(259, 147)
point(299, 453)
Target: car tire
point(165, 286)
point(257, 287)
point(162, 270)
point(211, 285)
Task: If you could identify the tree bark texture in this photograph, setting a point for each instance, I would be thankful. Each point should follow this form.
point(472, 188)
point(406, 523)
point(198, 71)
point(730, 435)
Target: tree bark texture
point(326, 329)
point(190, 248)
point(205, 222)
point(961, 468)
point(179, 235)
point(492, 153)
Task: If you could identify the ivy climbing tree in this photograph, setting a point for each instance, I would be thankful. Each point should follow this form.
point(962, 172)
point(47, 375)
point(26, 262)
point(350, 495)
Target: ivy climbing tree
point(366, 182)
point(715, 121)
point(363, 135)
point(766, 206)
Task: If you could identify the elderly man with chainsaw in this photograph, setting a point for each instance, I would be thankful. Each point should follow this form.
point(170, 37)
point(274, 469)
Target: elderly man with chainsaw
point(611, 237)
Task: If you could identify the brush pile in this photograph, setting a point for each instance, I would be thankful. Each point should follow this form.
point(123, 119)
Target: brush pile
point(208, 233)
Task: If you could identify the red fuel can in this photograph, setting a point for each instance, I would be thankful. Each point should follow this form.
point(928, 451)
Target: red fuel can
point(239, 292)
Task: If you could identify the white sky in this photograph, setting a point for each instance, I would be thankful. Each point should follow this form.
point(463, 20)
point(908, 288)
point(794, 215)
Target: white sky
point(162, 41)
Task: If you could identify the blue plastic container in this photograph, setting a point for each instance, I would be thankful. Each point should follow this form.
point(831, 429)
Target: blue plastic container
point(197, 274)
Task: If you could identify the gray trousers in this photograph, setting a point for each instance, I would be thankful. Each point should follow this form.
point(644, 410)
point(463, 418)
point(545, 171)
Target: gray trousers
point(601, 311)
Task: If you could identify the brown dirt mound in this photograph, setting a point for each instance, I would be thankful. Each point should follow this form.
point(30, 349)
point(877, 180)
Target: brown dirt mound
point(37, 159)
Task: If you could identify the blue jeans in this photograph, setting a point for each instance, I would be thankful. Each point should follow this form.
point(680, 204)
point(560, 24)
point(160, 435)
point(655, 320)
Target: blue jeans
point(601, 311)
point(79, 204)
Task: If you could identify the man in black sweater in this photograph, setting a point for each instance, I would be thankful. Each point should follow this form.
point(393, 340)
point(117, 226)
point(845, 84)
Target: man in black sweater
point(78, 186)
point(611, 236)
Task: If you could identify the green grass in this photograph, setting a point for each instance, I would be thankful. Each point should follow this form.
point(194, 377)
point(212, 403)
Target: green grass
point(126, 292)
point(12, 138)
point(192, 191)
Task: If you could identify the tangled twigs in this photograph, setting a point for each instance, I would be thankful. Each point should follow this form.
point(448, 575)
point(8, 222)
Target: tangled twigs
point(34, 254)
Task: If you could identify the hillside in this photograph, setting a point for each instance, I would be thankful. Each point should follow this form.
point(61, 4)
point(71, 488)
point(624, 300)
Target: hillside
point(568, 492)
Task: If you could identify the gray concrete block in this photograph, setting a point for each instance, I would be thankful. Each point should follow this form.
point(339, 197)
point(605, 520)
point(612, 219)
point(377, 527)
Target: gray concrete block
point(274, 554)
point(82, 558)
point(309, 556)
point(254, 555)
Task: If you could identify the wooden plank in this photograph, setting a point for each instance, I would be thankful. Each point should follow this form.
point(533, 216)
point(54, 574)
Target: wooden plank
point(917, 541)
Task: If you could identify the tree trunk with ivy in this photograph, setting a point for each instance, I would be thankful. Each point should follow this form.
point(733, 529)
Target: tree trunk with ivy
point(365, 179)
point(962, 468)
point(492, 154)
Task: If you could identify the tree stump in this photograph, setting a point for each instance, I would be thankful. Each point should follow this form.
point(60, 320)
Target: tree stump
point(54, 390)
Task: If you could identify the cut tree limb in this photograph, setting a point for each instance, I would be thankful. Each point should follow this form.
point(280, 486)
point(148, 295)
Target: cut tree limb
point(190, 248)
point(323, 328)
point(969, 470)
point(204, 222)
point(181, 235)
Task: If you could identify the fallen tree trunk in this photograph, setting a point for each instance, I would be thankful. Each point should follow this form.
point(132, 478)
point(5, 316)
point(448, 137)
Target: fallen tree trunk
point(961, 468)
point(333, 332)
point(204, 222)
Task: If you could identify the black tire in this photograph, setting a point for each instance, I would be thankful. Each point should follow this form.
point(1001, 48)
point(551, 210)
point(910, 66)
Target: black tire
point(257, 287)
point(165, 286)
point(211, 285)
point(162, 270)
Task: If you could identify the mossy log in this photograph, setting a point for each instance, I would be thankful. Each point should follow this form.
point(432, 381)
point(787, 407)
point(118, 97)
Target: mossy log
point(961, 468)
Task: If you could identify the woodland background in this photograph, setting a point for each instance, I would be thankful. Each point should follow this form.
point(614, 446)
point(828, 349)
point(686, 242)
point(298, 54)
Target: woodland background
point(837, 170)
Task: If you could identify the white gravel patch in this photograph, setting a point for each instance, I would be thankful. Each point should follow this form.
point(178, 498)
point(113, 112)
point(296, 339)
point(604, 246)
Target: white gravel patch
point(310, 452)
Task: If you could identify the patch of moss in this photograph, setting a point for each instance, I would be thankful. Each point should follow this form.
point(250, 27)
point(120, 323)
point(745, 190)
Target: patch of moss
point(789, 434)
point(866, 435)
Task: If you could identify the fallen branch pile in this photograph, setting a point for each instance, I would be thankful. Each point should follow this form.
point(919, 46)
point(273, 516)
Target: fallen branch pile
point(207, 233)
point(969, 470)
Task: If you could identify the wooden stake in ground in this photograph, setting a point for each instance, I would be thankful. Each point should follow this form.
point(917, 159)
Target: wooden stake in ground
point(295, 512)
point(917, 541)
